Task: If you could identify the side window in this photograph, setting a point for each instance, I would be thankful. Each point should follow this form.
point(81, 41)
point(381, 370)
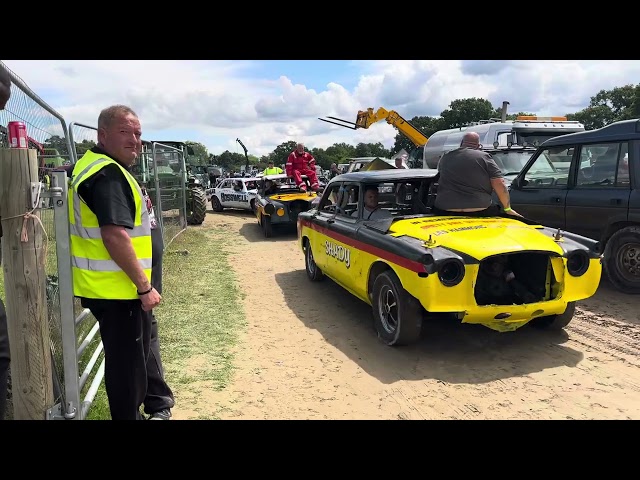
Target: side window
point(544, 173)
point(341, 199)
point(330, 199)
point(604, 165)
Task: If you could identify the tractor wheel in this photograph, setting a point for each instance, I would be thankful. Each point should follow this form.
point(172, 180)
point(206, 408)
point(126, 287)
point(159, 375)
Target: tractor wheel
point(196, 206)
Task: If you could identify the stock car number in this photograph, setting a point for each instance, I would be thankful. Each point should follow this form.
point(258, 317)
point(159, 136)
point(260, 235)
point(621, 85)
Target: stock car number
point(234, 197)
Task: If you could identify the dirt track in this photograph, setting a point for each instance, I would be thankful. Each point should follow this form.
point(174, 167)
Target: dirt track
point(310, 352)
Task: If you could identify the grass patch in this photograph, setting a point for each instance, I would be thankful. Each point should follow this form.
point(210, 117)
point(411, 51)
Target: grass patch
point(199, 319)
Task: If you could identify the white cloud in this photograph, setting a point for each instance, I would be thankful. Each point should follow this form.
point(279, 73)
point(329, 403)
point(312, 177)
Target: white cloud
point(215, 102)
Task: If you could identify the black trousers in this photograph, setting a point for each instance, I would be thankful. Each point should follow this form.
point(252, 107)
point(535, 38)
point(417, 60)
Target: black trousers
point(4, 360)
point(159, 396)
point(125, 330)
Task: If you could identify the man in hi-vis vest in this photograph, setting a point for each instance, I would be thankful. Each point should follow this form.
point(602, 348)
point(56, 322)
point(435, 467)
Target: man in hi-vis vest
point(111, 255)
point(271, 170)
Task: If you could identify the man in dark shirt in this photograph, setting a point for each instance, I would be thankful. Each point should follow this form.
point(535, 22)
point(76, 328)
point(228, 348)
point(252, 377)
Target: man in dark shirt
point(159, 399)
point(125, 324)
point(468, 176)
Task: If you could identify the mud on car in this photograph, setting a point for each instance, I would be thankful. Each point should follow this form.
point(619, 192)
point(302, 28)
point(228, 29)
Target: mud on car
point(500, 272)
point(237, 193)
point(279, 201)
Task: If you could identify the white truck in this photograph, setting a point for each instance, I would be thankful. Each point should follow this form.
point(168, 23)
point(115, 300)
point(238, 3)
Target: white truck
point(524, 131)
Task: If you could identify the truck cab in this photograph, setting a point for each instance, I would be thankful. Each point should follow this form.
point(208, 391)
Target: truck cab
point(525, 131)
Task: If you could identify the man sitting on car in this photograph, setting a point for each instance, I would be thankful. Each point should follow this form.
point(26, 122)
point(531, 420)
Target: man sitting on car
point(372, 210)
point(468, 176)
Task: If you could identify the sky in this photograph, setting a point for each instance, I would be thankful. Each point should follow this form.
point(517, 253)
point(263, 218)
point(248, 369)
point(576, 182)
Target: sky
point(267, 102)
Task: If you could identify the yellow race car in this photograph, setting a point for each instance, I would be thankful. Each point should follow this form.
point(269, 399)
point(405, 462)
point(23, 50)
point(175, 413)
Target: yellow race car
point(279, 201)
point(406, 262)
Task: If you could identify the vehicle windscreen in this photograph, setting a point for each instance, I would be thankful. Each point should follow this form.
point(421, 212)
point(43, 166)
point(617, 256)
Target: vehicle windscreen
point(512, 161)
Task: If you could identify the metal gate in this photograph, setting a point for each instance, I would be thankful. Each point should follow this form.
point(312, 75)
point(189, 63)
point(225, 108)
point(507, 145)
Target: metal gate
point(167, 184)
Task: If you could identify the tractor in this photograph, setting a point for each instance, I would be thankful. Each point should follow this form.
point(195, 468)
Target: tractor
point(173, 169)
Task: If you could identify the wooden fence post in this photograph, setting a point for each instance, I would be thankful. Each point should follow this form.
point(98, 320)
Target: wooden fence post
point(23, 260)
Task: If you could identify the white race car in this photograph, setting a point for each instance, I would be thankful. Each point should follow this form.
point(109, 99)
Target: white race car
point(234, 193)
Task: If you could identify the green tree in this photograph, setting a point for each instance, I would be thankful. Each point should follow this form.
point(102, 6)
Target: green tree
point(372, 150)
point(60, 144)
point(200, 153)
point(425, 125)
point(608, 106)
point(593, 117)
point(338, 152)
point(282, 151)
point(466, 110)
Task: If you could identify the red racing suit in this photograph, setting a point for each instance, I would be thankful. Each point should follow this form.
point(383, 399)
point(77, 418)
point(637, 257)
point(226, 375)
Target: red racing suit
point(302, 164)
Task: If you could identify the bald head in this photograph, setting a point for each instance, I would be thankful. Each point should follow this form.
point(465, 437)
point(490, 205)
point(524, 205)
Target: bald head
point(5, 87)
point(470, 140)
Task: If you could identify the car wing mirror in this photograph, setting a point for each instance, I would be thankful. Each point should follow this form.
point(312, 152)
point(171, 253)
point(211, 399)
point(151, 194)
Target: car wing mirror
point(518, 182)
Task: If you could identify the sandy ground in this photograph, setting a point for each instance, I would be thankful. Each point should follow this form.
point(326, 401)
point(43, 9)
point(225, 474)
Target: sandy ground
point(310, 352)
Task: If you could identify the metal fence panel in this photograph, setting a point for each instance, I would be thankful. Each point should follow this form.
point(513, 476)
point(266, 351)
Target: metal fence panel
point(47, 134)
point(167, 166)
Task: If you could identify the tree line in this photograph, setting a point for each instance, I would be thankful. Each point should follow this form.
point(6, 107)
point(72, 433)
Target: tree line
point(607, 106)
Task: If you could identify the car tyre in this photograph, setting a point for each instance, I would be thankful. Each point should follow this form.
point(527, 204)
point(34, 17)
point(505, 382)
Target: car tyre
point(555, 322)
point(313, 271)
point(622, 260)
point(215, 204)
point(267, 228)
point(397, 316)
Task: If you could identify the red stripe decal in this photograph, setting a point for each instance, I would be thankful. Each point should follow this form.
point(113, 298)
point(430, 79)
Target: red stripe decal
point(412, 265)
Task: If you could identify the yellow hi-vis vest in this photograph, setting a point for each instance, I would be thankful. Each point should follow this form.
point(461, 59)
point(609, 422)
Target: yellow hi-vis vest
point(95, 273)
point(272, 171)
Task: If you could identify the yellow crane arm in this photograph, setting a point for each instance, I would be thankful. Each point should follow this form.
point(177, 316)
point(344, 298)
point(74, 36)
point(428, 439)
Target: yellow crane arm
point(368, 117)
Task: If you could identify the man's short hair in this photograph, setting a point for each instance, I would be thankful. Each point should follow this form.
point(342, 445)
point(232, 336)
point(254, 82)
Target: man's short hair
point(373, 188)
point(109, 114)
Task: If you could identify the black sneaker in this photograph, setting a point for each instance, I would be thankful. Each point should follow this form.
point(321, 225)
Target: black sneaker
point(161, 415)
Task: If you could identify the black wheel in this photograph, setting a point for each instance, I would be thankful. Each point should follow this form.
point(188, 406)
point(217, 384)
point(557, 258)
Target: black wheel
point(215, 204)
point(253, 205)
point(397, 316)
point(267, 229)
point(555, 322)
point(313, 272)
point(196, 206)
point(622, 260)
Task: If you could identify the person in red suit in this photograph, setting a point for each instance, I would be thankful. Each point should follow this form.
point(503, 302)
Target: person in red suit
point(301, 163)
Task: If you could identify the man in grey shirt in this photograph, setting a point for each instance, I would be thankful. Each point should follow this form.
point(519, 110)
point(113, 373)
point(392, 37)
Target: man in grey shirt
point(468, 176)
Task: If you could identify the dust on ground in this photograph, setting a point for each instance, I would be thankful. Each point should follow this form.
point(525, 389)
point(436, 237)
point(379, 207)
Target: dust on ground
point(310, 352)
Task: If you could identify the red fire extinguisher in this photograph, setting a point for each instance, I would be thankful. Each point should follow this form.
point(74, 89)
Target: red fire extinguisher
point(17, 135)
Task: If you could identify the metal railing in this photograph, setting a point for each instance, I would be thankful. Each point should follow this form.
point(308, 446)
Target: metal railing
point(49, 135)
